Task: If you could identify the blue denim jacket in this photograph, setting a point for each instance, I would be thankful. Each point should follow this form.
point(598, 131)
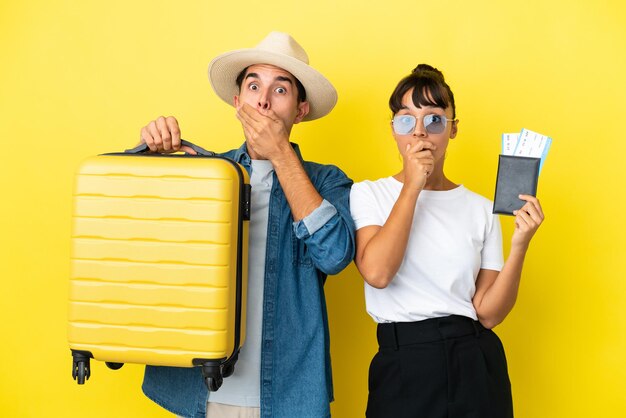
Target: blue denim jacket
point(296, 376)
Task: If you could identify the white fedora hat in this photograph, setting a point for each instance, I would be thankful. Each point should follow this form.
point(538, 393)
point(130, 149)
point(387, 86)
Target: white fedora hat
point(281, 50)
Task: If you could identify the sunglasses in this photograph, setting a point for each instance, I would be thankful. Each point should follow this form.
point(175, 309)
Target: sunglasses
point(405, 124)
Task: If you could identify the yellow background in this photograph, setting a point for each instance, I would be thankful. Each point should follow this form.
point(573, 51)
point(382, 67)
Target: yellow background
point(78, 78)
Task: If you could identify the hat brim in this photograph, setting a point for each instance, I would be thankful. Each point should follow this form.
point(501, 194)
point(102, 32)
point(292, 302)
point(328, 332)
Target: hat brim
point(224, 69)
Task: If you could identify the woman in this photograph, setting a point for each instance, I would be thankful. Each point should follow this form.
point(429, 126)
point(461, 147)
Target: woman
point(430, 252)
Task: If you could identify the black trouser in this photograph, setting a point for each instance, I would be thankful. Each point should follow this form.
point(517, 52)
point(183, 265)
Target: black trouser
point(439, 368)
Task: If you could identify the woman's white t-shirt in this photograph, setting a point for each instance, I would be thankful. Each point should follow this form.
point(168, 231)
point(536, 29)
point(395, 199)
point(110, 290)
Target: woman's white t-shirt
point(453, 236)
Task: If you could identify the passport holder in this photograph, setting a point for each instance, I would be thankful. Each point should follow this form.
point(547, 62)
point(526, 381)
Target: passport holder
point(516, 175)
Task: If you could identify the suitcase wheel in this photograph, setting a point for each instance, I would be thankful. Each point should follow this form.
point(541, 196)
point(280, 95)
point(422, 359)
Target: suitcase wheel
point(81, 369)
point(228, 370)
point(229, 365)
point(212, 373)
point(113, 366)
point(213, 383)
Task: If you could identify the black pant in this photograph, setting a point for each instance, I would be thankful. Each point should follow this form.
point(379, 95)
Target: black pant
point(439, 368)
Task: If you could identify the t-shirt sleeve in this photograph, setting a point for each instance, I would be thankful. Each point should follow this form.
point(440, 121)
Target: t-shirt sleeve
point(491, 255)
point(364, 207)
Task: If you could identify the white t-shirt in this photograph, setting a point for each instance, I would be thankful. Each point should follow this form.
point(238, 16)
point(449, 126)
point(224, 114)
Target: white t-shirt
point(243, 388)
point(453, 236)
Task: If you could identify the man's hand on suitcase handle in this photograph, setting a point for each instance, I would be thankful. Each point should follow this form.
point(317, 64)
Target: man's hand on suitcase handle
point(163, 136)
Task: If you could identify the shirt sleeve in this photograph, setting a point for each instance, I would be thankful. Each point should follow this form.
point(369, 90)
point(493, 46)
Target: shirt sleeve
point(491, 254)
point(315, 220)
point(363, 206)
point(328, 231)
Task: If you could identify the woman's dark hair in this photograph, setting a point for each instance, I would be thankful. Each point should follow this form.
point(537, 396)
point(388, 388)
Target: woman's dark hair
point(299, 86)
point(429, 89)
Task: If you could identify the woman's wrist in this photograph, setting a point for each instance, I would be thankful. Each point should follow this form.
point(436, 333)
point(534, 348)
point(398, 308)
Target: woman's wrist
point(409, 192)
point(519, 249)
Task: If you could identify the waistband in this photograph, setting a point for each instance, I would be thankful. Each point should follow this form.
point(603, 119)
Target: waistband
point(397, 334)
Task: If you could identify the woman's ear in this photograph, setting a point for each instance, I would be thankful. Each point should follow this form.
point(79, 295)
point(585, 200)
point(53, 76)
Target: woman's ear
point(393, 133)
point(455, 129)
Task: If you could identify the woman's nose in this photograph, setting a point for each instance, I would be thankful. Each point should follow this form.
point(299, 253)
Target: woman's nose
point(419, 128)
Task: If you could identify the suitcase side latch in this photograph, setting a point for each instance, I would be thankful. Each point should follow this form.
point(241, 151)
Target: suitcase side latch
point(245, 201)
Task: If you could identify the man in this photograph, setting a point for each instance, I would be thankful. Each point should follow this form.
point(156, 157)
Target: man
point(300, 231)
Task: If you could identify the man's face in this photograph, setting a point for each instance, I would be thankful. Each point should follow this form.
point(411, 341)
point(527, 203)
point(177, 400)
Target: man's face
point(266, 87)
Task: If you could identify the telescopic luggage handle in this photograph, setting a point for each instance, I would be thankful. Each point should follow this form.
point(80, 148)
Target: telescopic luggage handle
point(142, 148)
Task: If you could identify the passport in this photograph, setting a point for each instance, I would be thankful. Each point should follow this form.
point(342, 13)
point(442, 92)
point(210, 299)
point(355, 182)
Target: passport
point(516, 175)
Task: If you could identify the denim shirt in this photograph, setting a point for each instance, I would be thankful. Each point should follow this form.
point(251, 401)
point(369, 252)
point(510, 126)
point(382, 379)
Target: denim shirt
point(296, 376)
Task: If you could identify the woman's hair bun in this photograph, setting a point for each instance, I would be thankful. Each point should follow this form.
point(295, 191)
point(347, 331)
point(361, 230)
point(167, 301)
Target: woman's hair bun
point(425, 68)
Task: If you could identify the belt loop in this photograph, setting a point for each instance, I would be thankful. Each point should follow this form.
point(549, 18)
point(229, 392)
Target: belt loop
point(395, 337)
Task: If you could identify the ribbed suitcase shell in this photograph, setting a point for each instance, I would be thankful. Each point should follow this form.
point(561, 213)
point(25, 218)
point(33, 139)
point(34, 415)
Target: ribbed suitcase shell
point(155, 258)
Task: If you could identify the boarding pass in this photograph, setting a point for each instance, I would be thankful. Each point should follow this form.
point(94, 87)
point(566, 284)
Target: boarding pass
point(526, 144)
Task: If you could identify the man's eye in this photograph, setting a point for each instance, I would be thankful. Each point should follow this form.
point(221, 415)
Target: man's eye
point(281, 90)
point(253, 87)
point(435, 118)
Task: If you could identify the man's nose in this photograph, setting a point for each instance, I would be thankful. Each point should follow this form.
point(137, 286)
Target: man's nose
point(264, 102)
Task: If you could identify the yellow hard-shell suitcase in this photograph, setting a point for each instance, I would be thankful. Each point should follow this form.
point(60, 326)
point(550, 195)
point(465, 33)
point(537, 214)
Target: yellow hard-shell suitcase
point(159, 262)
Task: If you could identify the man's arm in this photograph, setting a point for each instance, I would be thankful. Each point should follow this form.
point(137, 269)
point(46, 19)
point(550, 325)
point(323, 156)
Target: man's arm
point(301, 195)
point(322, 219)
point(268, 138)
point(328, 231)
point(321, 215)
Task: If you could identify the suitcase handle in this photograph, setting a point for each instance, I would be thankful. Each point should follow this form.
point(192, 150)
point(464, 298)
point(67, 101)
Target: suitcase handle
point(141, 148)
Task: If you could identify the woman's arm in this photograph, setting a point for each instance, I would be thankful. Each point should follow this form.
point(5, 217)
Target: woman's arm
point(496, 292)
point(380, 249)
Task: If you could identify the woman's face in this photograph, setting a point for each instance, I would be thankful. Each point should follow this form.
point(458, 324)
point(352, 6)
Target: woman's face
point(429, 133)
